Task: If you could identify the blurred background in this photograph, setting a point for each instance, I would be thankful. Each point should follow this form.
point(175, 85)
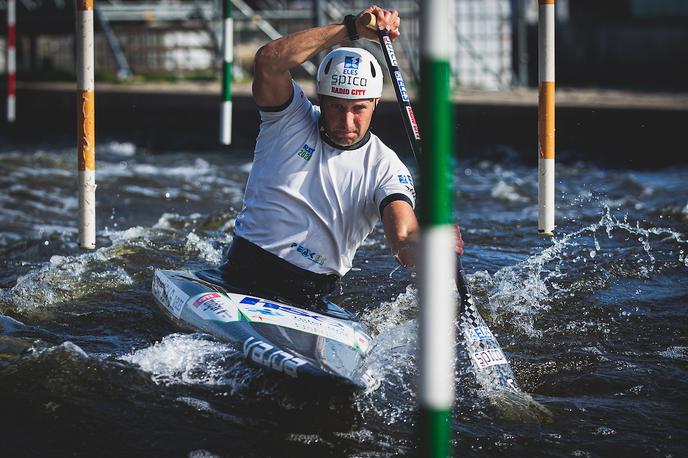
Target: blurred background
point(621, 71)
point(593, 320)
point(639, 44)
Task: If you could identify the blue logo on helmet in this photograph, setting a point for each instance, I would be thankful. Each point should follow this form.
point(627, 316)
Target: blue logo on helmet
point(351, 65)
point(351, 62)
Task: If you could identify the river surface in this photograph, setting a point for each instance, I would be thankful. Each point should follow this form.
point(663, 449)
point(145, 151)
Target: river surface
point(594, 321)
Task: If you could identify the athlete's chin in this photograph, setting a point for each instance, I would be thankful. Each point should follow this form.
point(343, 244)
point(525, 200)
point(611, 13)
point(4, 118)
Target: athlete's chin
point(347, 139)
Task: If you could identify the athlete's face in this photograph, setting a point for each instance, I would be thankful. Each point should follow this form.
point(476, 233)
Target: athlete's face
point(346, 121)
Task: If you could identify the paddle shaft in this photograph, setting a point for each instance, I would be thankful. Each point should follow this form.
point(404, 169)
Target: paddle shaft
point(412, 131)
point(410, 124)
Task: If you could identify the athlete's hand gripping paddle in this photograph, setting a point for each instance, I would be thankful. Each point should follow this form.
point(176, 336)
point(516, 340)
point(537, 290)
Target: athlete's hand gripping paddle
point(407, 115)
point(491, 367)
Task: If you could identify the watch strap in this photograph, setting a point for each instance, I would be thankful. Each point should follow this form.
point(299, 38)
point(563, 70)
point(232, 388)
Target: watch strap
point(350, 24)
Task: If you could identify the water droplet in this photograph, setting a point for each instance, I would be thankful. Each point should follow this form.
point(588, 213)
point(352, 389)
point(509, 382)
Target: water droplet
point(593, 253)
point(46, 243)
point(467, 172)
point(167, 195)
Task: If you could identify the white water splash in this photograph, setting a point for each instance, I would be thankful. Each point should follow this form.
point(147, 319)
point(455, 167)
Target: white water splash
point(506, 192)
point(66, 278)
point(207, 249)
point(675, 352)
point(202, 454)
point(192, 359)
point(524, 291)
point(122, 149)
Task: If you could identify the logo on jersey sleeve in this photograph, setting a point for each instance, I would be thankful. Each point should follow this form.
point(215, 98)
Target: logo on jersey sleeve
point(407, 181)
point(306, 152)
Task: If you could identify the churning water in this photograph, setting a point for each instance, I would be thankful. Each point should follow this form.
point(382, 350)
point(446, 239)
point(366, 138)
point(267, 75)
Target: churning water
point(594, 321)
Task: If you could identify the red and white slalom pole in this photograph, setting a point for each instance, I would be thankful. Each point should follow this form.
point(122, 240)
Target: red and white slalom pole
point(85, 63)
point(11, 60)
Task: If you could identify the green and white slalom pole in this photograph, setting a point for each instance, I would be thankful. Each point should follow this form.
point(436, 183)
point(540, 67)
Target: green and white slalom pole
point(438, 260)
point(228, 52)
point(437, 265)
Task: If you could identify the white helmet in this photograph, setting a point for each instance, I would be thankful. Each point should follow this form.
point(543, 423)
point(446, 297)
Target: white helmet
point(350, 73)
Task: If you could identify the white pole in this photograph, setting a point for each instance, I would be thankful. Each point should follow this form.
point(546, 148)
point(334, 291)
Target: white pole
point(546, 117)
point(228, 47)
point(437, 267)
point(11, 60)
point(85, 62)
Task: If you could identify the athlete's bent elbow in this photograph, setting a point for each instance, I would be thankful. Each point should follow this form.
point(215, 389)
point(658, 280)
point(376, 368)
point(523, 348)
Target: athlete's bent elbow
point(264, 61)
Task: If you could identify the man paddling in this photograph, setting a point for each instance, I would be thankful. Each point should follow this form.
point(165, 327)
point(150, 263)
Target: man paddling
point(320, 179)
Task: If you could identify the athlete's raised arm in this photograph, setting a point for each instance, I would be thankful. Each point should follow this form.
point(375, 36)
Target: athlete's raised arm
point(272, 80)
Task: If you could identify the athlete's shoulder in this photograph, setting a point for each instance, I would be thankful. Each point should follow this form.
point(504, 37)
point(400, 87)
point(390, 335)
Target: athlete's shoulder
point(297, 106)
point(381, 151)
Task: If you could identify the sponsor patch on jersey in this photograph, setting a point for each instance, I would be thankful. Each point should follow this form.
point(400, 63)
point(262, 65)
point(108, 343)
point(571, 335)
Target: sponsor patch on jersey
point(411, 190)
point(309, 254)
point(306, 152)
point(405, 179)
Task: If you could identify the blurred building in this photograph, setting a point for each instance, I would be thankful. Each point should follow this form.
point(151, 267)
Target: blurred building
point(612, 43)
point(623, 43)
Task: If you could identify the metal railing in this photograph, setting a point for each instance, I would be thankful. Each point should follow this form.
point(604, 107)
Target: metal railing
point(167, 36)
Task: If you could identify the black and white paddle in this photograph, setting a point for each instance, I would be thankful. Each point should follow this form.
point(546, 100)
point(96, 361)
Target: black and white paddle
point(487, 358)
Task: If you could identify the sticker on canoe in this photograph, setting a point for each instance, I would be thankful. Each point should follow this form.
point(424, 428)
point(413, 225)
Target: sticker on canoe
point(263, 311)
point(274, 358)
point(215, 307)
point(169, 294)
point(489, 357)
point(361, 342)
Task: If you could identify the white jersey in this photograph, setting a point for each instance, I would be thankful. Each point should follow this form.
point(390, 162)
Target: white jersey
point(310, 203)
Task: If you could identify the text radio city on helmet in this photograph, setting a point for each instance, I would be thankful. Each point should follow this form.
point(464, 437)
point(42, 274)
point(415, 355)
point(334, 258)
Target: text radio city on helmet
point(350, 73)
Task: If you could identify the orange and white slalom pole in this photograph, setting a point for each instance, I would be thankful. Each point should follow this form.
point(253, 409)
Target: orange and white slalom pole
point(546, 117)
point(85, 62)
point(11, 60)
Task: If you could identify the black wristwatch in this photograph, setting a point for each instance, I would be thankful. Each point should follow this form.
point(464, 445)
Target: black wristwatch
point(350, 24)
